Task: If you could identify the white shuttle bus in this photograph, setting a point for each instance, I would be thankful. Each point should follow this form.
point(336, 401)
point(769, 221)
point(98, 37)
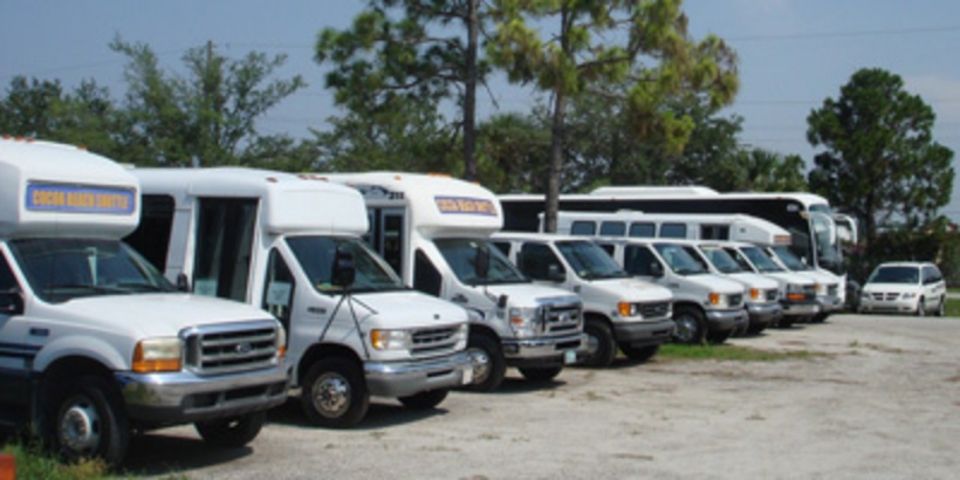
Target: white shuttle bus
point(94, 343)
point(291, 245)
point(435, 231)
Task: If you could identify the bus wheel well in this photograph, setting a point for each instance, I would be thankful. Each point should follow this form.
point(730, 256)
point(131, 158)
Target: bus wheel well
point(484, 330)
point(324, 350)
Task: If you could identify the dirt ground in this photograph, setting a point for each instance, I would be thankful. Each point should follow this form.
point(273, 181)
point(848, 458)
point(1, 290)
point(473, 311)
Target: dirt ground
point(884, 402)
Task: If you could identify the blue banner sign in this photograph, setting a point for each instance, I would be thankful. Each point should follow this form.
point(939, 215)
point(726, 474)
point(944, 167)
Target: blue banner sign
point(466, 205)
point(79, 199)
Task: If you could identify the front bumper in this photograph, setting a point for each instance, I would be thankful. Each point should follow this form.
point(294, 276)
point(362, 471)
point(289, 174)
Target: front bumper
point(725, 320)
point(644, 333)
point(401, 379)
point(185, 397)
point(763, 315)
point(543, 351)
point(800, 309)
point(891, 306)
point(829, 304)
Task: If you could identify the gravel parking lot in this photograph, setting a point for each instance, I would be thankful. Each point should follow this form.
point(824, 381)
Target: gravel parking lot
point(883, 401)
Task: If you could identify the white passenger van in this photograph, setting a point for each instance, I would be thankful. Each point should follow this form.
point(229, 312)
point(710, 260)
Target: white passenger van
point(291, 245)
point(94, 343)
point(761, 299)
point(435, 231)
point(830, 293)
point(618, 310)
point(706, 307)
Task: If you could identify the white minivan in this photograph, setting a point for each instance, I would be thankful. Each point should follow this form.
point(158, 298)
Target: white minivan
point(904, 287)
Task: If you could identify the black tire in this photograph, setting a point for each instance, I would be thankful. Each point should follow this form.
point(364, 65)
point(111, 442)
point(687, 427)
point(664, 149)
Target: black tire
point(489, 366)
point(601, 344)
point(786, 322)
point(84, 418)
point(232, 432)
point(334, 393)
point(691, 326)
point(717, 338)
point(540, 374)
point(424, 400)
point(921, 308)
point(639, 354)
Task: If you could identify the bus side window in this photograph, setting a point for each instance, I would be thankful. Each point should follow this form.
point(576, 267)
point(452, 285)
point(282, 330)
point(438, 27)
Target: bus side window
point(583, 227)
point(673, 230)
point(642, 230)
point(715, 232)
point(426, 277)
point(613, 229)
point(279, 288)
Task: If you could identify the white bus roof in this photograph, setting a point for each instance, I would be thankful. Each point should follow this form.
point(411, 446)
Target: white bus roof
point(53, 189)
point(438, 204)
point(289, 203)
point(673, 193)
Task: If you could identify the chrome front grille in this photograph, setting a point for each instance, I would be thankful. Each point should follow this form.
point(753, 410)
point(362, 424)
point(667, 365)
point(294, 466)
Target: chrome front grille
point(561, 318)
point(653, 310)
point(885, 296)
point(233, 347)
point(735, 300)
point(433, 340)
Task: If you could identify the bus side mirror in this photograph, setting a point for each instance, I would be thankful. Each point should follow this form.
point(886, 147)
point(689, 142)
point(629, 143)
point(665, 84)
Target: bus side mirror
point(183, 282)
point(482, 265)
point(656, 270)
point(11, 303)
point(344, 267)
point(554, 274)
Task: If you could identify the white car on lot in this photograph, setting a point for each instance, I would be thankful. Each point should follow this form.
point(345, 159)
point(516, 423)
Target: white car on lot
point(904, 287)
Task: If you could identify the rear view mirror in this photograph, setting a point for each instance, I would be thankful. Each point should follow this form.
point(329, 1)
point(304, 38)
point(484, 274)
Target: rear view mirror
point(344, 268)
point(11, 303)
point(656, 270)
point(183, 282)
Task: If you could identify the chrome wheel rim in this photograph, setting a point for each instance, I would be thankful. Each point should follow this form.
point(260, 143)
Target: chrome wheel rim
point(80, 426)
point(331, 395)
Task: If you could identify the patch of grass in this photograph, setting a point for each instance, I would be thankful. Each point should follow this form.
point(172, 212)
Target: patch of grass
point(33, 463)
point(674, 351)
point(952, 307)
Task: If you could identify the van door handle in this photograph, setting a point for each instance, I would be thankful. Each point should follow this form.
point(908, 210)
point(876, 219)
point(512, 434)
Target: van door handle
point(317, 310)
point(459, 298)
point(40, 332)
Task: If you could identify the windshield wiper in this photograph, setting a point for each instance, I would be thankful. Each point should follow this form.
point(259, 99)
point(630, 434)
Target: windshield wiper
point(142, 287)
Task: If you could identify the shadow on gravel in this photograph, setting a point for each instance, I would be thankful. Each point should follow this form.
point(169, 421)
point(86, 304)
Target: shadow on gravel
point(381, 415)
point(164, 454)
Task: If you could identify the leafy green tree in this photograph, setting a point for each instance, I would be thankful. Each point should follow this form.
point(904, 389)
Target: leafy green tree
point(421, 50)
point(596, 43)
point(43, 109)
point(881, 162)
point(205, 118)
point(402, 134)
point(513, 153)
point(767, 171)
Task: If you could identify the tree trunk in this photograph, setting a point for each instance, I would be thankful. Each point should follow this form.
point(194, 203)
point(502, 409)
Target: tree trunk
point(470, 95)
point(556, 163)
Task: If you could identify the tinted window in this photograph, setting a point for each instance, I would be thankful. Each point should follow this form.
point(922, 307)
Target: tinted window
point(461, 256)
point(637, 260)
point(224, 247)
point(715, 232)
point(613, 229)
point(7, 281)
point(581, 227)
point(278, 289)
point(152, 236)
point(642, 230)
point(426, 277)
point(904, 274)
point(535, 261)
point(673, 230)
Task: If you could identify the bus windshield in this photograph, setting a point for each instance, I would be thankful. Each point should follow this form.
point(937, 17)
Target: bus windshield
point(760, 260)
point(789, 259)
point(828, 247)
point(679, 260)
point(316, 254)
point(61, 269)
point(589, 261)
point(721, 260)
point(461, 255)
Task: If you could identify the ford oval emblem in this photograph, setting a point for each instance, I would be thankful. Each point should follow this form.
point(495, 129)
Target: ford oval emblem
point(244, 348)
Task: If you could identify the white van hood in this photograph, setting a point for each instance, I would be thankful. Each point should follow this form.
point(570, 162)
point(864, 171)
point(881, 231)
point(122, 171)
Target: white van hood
point(755, 280)
point(531, 294)
point(627, 290)
point(716, 283)
point(156, 314)
point(407, 309)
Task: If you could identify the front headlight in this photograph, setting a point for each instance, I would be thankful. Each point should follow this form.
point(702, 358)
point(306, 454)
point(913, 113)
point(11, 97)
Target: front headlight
point(523, 320)
point(390, 339)
point(463, 334)
point(158, 355)
point(627, 309)
point(281, 342)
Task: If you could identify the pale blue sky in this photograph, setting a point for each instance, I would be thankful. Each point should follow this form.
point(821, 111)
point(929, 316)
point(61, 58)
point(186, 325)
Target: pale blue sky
point(793, 53)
